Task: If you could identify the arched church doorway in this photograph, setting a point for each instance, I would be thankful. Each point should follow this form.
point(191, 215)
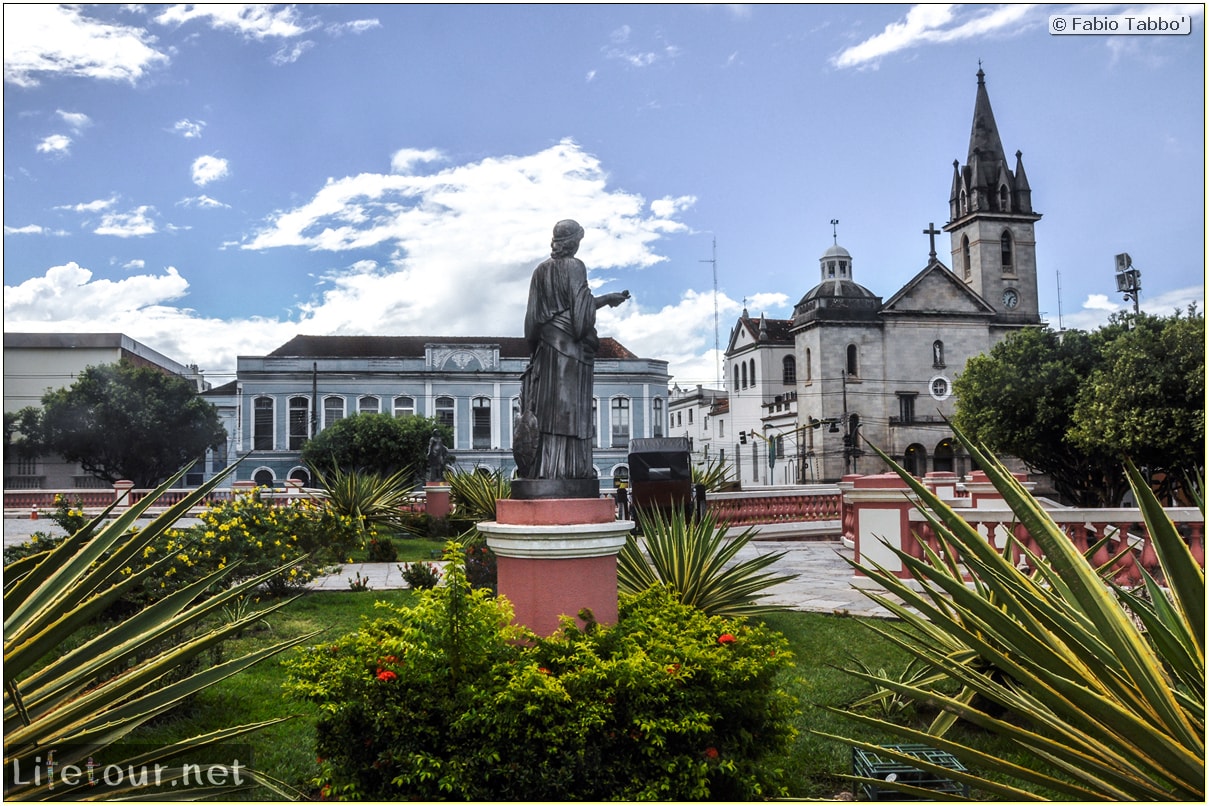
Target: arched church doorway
point(915, 460)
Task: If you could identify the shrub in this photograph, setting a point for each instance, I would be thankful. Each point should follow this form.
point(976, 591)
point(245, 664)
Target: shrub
point(421, 576)
point(694, 557)
point(380, 550)
point(475, 492)
point(446, 699)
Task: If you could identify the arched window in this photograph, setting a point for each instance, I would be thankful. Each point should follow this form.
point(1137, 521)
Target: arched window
point(368, 404)
point(938, 353)
point(405, 406)
point(263, 477)
point(1005, 251)
point(736, 378)
point(789, 370)
point(965, 257)
point(808, 369)
point(915, 460)
point(657, 417)
point(300, 474)
point(333, 410)
point(853, 368)
point(942, 459)
point(744, 363)
point(262, 424)
point(444, 411)
point(753, 371)
point(480, 424)
point(1004, 199)
point(620, 422)
point(300, 421)
point(965, 202)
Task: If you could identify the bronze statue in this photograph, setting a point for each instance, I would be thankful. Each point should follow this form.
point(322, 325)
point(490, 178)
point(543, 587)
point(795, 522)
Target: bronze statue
point(438, 456)
point(553, 434)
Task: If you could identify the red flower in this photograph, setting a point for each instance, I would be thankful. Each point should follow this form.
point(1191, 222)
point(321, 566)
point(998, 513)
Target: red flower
point(711, 752)
point(675, 667)
point(386, 675)
point(726, 638)
point(543, 670)
point(390, 659)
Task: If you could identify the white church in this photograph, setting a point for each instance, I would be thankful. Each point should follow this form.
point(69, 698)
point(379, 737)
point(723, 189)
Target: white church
point(803, 394)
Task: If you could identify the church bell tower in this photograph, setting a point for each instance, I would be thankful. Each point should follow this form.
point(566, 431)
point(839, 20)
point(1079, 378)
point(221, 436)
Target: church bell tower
point(991, 221)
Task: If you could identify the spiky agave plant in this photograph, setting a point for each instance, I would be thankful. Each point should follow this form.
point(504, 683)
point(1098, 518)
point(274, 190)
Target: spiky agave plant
point(696, 558)
point(474, 492)
point(370, 499)
point(83, 702)
point(1104, 688)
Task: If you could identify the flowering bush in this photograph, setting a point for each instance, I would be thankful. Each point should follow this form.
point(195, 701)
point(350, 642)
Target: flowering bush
point(71, 518)
point(257, 535)
point(447, 700)
point(420, 576)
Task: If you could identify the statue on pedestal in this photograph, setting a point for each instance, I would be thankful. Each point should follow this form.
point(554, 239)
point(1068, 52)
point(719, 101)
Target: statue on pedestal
point(553, 434)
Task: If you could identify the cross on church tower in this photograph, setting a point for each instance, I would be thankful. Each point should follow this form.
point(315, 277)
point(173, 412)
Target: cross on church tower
point(932, 232)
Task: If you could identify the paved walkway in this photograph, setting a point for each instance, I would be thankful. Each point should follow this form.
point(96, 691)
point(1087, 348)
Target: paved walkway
point(823, 583)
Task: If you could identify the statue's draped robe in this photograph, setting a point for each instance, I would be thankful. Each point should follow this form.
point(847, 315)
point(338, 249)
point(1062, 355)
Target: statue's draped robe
point(560, 327)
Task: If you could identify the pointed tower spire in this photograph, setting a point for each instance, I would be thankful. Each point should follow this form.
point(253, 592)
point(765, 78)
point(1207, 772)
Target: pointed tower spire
point(984, 134)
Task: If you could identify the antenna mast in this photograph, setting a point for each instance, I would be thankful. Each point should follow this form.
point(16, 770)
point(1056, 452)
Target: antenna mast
point(1060, 328)
point(717, 350)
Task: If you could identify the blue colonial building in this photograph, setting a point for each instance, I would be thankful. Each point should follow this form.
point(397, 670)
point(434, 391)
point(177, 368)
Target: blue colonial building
point(471, 384)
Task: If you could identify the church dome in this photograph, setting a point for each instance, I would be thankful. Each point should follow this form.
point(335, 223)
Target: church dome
point(837, 296)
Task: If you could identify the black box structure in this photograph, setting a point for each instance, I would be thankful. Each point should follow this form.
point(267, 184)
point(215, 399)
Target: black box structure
point(868, 764)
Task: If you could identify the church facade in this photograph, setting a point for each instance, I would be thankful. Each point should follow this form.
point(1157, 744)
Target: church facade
point(853, 366)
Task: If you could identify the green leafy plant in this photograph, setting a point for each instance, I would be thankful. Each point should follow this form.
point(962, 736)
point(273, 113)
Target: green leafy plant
point(696, 558)
point(1103, 688)
point(715, 474)
point(78, 686)
point(373, 501)
point(420, 576)
point(474, 492)
point(447, 700)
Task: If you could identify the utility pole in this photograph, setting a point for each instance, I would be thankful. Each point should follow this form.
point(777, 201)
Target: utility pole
point(717, 350)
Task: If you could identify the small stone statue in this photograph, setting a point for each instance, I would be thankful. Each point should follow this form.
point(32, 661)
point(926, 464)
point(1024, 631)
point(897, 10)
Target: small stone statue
point(438, 456)
point(553, 435)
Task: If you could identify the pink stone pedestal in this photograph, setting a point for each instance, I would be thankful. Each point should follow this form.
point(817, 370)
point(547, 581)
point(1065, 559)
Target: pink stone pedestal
point(557, 556)
point(436, 499)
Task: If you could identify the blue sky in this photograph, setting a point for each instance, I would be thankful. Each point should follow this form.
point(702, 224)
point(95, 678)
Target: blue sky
point(213, 180)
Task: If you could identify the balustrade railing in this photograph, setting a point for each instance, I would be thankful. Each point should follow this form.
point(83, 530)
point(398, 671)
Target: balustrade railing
point(1121, 540)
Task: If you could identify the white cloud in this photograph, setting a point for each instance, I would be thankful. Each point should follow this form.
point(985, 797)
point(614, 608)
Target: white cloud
point(54, 144)
point(95, 206)
point(407, 159)
point(251, 21)
point(68, 299)
point(352, 27)
point(133, 224)
point(449, 251)
point(936, 23)
point(58, 40)
point(203, 201)
point(28, 229)
point(189, 129)
point(137, 263)
point(207, 169)
point(288, 54)
point(667, 206)
point(78, 121)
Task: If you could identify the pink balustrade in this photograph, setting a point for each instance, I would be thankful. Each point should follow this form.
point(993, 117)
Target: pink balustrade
point(764, 508)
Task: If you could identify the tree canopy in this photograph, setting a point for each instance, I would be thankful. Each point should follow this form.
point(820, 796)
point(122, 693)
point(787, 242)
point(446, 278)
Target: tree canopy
point(374, 443)
point(1073, 405)
point(123, 421)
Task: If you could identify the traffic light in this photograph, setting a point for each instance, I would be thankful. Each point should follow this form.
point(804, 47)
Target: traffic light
point(742, 437)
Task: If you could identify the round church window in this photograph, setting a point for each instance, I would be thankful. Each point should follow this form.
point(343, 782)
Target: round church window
point(940, 387)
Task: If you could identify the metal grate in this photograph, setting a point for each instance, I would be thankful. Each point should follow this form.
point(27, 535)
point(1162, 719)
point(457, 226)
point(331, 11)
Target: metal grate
point(867, 764)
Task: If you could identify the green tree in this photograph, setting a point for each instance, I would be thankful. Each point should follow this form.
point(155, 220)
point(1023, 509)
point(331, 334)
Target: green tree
point(373, 443)
point(122, 421)
point(1073, 405)
point(1146, 399)
point(1019, 399)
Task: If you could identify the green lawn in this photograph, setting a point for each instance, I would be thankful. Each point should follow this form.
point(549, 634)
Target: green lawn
point(822, 644)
